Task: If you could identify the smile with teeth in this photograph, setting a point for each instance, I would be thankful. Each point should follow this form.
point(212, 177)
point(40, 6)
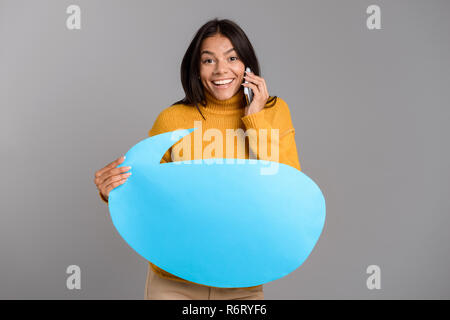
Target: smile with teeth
point(223, 83)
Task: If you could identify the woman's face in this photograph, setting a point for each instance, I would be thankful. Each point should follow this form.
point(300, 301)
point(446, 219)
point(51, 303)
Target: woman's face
point(219, 61)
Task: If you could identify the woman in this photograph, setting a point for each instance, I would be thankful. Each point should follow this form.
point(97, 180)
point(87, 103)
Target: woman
point(220, 51)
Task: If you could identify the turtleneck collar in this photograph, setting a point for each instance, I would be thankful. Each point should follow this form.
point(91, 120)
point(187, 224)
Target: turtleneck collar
point(235, 103)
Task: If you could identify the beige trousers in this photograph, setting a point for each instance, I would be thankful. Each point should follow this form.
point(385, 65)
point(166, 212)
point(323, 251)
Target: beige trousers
point(158, 288)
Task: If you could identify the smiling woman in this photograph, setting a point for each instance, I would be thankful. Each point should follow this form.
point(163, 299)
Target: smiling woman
point(212, 75)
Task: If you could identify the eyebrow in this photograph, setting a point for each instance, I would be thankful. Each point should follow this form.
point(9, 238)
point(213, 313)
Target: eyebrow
point(209, 52)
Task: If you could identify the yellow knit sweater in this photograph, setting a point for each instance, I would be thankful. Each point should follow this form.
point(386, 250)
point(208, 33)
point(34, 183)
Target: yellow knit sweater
point(222, 115)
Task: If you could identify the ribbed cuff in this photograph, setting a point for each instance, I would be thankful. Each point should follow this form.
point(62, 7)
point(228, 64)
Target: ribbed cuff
point(255, 120)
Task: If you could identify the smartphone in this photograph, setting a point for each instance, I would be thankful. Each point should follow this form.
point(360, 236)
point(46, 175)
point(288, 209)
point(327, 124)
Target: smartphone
point(248, 92)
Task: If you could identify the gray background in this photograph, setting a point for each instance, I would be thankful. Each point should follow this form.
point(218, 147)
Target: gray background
point(370, 110)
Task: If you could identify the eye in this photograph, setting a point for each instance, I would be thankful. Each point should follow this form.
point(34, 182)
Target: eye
point(204, 61)
point(235, 58)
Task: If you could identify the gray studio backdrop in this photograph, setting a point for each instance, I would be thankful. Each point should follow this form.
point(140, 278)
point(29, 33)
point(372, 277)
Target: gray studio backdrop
point(370, 109)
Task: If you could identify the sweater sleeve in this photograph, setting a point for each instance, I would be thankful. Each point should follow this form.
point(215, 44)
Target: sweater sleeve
point(287, 148)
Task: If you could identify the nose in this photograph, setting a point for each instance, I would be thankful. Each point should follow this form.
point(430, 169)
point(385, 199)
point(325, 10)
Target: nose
point(221, 67)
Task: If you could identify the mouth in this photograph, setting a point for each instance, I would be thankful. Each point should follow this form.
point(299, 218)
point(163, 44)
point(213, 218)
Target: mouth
point(223, 86)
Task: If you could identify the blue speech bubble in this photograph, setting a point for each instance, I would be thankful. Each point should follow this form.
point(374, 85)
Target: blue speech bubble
point(216, 224)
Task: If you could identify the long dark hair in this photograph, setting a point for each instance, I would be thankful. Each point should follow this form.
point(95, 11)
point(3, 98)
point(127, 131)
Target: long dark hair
point(190, 73)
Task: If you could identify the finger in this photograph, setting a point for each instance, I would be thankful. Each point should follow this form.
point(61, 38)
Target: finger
point(264, 89)
point(114, 185)
point(250, 73)
point(256, 80)
point(113, 164)
point(253, 76)
point(253, 87)
point(110, 173)
point(261, 83)
point(113, 172)
point(115, 178)
point(113, 182)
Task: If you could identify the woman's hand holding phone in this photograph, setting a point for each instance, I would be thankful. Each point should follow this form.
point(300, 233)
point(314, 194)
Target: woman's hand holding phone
point(110, 177)
point(260, 93)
